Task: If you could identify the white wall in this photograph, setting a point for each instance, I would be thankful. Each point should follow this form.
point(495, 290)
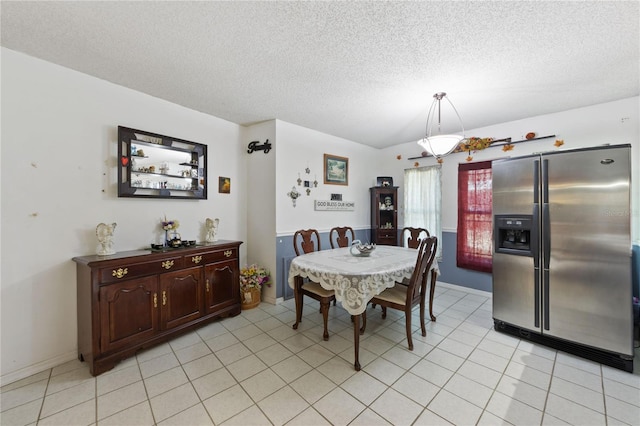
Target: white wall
point(261, 210)
point(299, 148)
point(59, 132)
point(610, 123)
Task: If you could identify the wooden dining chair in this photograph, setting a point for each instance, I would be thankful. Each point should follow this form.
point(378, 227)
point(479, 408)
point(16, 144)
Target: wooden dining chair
point(307, 241)
point(404, 298)
point(411, 237)
point(339, 236)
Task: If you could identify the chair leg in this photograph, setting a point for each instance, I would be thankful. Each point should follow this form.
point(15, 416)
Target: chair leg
point(324, 308)
point(431, 291)
point(384, 312)
point(364, 322)
point(298, 297)
point(422, 309)
point(407, 315)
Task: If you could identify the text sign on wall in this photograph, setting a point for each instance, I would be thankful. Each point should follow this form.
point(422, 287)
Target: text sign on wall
point(325, 205)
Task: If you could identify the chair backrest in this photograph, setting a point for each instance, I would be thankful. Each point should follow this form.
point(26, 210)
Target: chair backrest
point(412, 236)
point(418, 282)
point(339, 236)
point(303, 241)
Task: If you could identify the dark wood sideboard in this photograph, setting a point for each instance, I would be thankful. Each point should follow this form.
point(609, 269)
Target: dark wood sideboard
point(133, 300)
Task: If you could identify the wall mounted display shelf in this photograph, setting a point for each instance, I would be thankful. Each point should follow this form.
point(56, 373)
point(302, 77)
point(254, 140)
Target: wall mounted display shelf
point(156, 166)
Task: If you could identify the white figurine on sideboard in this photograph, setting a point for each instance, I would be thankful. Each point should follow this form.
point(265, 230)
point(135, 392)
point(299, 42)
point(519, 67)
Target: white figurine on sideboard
point(104, 233)
point(212, 229)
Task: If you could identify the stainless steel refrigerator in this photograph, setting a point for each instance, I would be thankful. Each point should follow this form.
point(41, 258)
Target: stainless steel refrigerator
point(562, 251)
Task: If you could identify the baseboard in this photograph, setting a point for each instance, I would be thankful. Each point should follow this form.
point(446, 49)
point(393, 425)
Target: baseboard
point(271, 300)
point(30, 370)
point(465, 289)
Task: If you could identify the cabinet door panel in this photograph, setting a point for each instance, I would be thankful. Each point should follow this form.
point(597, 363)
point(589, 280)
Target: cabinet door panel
point(222, 286)
point(127, 312)
point(181, 295)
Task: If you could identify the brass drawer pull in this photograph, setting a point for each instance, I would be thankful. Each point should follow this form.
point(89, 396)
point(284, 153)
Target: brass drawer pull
point(167, 264)
point(207, 286)
point(228, 253)
point(196, 259)
point(155, 300)
point(164, 298)
point(119, 273)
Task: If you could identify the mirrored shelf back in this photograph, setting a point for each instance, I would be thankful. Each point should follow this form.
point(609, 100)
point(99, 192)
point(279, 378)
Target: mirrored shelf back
point(157, 166)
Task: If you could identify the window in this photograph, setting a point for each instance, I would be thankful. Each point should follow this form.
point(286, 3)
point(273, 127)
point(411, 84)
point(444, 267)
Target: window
point(423, 200)
point(475, 243)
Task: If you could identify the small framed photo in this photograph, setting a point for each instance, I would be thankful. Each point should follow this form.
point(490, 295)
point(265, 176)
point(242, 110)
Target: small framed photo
point(224, 185)
point(385, 181)
point(336, 170)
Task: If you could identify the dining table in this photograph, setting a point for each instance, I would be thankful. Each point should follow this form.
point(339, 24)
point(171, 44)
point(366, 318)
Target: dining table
point(356, 278)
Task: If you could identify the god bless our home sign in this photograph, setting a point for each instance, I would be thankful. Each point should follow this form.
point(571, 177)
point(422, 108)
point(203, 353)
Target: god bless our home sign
point(326, 205)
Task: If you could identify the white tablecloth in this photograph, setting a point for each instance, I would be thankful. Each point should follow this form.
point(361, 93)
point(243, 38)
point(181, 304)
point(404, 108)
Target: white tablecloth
point(355, 280)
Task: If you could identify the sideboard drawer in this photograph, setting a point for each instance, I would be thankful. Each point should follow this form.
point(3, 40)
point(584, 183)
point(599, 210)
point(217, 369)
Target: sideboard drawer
point(132, 270)
point(210, 257)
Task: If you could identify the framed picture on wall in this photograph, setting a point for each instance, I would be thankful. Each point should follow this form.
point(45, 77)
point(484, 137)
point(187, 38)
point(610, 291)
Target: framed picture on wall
point(224, 185)
point(336, 170)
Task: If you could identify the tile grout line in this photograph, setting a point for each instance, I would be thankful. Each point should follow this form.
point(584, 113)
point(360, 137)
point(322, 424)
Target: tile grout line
point(44, 397)
point(146, 391)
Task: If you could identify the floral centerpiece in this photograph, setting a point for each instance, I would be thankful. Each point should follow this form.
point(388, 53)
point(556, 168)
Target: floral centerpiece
point(252, 278)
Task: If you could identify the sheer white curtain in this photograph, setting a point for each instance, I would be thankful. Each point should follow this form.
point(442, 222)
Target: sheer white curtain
point(423, 200)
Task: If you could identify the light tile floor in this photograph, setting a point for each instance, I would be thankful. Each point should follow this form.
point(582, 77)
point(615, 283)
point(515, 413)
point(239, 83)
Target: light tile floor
point(254, 369)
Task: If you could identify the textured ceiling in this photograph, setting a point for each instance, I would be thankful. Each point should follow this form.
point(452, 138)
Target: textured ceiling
point(364, 71)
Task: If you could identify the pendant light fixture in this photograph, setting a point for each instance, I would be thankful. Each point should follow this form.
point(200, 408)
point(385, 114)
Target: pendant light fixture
point(434, 142)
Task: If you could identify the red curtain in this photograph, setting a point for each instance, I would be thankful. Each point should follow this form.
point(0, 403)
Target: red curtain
point(475, 222)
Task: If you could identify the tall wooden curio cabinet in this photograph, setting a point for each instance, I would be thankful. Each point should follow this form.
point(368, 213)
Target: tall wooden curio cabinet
point(384, 215)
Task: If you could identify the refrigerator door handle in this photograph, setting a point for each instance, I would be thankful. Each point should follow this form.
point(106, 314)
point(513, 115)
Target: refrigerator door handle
point(545, 295)
point(546, 231)
point(536, 295)
point(545, 181)
point(536, 181)
point(535, 242)
point(535, 237)
point(546, 249)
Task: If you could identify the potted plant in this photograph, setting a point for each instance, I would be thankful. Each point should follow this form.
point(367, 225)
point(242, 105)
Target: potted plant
point(252, 278)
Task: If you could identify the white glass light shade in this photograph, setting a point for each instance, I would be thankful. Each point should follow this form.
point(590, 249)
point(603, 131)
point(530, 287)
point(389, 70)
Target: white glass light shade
point(440, 145)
